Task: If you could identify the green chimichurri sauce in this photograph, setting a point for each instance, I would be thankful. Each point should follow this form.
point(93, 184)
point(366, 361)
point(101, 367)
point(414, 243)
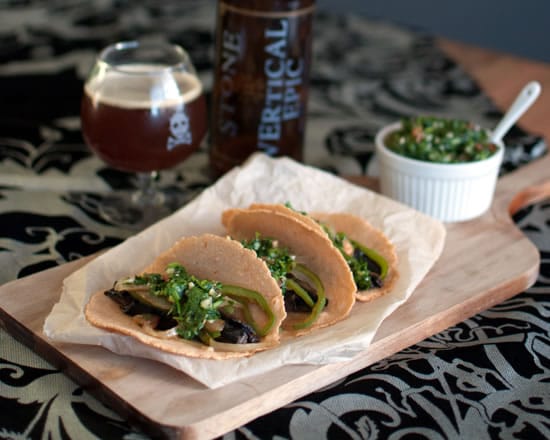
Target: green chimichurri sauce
point(440, 140)
point(278, 259)
point(192, 302)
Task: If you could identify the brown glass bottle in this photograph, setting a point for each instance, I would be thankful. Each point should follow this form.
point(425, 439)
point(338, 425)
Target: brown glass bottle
point(261, 75)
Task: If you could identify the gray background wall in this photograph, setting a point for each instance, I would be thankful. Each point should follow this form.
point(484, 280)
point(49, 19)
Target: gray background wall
point(517, 27)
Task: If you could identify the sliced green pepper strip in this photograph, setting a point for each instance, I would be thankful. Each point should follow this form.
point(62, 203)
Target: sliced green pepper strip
point(300, 291)
point(205, 337)
point(374, 256)
point(321, 299)
point(242, 293)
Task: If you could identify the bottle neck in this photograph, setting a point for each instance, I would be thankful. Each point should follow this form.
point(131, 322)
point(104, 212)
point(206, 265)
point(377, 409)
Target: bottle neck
point(273, 6)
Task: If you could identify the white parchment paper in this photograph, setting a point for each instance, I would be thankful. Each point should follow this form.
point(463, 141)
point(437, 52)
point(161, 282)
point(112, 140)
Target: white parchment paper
point(418, 239)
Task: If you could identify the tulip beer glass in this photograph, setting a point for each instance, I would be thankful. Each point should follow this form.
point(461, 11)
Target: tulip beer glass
point(143, 110)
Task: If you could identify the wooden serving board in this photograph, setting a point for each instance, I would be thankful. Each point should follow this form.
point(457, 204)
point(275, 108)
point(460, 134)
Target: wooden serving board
point(484, 262)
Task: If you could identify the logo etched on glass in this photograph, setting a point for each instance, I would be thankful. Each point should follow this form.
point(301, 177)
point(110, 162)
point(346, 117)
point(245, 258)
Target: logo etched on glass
point(179, 129)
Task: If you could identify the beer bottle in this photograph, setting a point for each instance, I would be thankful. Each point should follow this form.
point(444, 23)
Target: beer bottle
point(261, 74)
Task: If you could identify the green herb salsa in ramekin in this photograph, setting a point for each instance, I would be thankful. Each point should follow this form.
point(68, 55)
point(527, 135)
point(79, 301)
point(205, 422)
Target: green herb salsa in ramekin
point(439, 140)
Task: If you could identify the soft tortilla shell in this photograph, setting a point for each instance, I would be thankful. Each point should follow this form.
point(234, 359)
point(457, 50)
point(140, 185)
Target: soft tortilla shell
point(355, 228)
point(363, 232)
point(311, 248)
point(277, 207)
point(208, 257)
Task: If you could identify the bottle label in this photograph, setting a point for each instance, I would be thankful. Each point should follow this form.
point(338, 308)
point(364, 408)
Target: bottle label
point(283, 81)
point(261, 82)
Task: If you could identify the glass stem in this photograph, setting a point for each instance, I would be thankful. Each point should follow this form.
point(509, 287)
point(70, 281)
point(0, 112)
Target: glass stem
point(147, 194)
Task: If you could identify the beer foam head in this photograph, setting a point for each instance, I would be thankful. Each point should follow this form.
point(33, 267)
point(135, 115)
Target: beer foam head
point(141, 86)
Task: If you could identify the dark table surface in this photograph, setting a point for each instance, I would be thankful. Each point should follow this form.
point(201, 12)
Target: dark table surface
point(487, 377)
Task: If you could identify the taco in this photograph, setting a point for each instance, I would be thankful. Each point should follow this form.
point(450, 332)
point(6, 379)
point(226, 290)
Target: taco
point(369, 253)
point(316, 282)
point(205, 297)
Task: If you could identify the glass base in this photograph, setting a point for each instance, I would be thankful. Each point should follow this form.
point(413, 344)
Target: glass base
point(129, 211)
point(141, 208)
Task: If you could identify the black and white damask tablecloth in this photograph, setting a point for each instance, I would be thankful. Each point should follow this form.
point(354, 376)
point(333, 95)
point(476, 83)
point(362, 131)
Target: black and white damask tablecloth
point(488, 377)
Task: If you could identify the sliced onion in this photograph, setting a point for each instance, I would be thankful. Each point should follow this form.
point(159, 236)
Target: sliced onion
point(161, 334)
point(216, 325)
point(224, 346)
point(125, 285)
point(148, 320)
point(220, 346)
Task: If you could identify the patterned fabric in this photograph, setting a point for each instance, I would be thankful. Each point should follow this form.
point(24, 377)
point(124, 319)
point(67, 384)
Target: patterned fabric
point(488, 377)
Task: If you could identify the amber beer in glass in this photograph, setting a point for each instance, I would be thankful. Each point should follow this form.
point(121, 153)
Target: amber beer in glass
point(131, 129)
point(133, 134)
point(143, 110)
point(263, 58)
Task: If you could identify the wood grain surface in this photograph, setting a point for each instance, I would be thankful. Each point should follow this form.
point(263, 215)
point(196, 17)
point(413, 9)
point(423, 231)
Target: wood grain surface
point(484, 262)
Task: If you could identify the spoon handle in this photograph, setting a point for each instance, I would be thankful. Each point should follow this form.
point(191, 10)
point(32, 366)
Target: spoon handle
point(523, 101)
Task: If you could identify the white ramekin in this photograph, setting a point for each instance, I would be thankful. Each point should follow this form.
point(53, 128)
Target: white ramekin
point(448, 192)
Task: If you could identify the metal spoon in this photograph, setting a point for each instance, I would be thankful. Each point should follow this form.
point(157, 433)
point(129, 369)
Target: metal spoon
point(526, 97)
